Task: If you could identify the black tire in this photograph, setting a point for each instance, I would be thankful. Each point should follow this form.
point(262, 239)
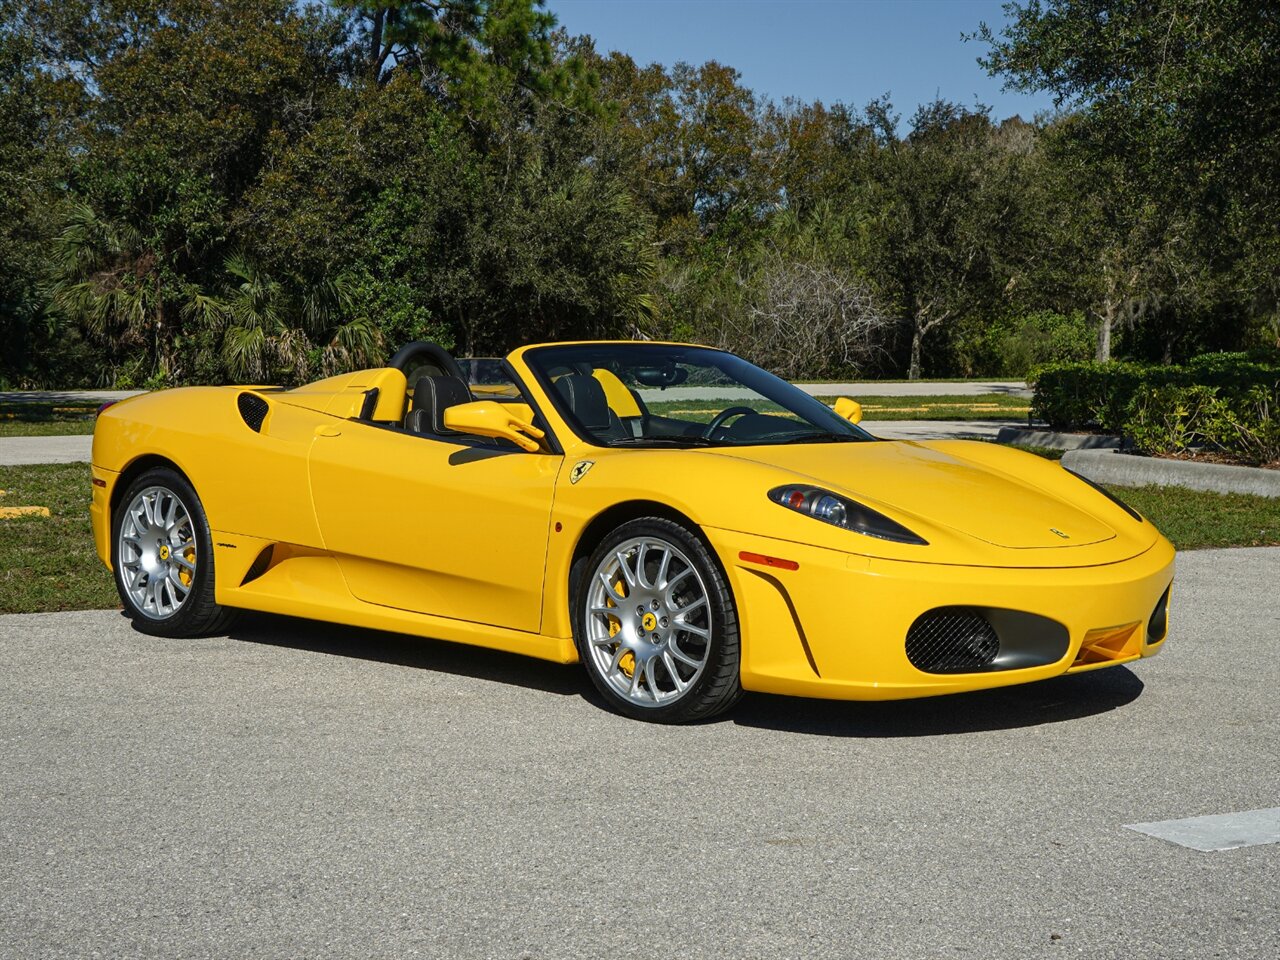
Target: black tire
point(717, 687)
point(198, 615)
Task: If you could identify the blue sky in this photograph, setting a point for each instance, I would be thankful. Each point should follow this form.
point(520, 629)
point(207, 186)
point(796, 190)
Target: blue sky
point(829, 50)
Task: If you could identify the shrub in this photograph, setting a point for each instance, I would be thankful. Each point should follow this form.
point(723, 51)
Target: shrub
point(1173, 419)
point(1012, 346)
point(1073, 396)
point(1228, 402)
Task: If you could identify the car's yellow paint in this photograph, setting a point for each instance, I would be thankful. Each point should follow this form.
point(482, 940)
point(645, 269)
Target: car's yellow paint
point(362, 523)
point(620, 400)
point(344, 395)
point(490, 418)
point(851, 410)
point(457, 531)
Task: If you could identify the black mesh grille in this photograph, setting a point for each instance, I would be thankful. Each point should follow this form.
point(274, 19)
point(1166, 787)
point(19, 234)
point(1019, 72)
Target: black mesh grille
point(952, 640)
point(253, 410)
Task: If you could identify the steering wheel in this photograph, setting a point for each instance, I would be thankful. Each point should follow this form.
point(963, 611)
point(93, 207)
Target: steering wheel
point(722, 417)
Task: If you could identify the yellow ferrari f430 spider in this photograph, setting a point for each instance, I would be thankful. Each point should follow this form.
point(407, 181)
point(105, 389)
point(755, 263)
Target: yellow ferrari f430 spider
point(683, 523)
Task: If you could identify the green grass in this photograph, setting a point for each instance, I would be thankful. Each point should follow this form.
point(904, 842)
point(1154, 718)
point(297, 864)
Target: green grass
point(1194, 519)
point(49, 563)
point(45, 428)
point(46, 419)
point(1049, 453)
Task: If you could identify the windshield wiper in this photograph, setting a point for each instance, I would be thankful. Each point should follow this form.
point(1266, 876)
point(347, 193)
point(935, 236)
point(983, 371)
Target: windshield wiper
point(669, 441)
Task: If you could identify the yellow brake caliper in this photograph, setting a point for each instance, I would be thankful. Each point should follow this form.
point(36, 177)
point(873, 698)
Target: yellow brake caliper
point(184, 573)
point(628, 662)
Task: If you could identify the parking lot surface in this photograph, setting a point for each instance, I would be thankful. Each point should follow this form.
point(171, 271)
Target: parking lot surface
point(303, 790)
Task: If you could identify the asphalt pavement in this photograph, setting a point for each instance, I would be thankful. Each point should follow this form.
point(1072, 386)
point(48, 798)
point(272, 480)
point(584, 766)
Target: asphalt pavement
point(22, 451)
point(302, 790)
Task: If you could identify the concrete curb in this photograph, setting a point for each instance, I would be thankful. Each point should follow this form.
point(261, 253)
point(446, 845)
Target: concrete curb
point(1057, 441)
point(1109, 466)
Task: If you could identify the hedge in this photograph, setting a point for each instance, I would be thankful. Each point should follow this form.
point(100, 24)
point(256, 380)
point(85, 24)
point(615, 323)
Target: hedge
point(1225, 402)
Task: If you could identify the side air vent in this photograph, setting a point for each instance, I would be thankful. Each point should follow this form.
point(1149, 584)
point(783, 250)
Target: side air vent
point(952, 640)
point(253, 410)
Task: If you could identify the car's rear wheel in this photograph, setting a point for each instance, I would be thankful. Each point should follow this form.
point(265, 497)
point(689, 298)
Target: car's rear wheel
point(656, 625)
point(162, 555)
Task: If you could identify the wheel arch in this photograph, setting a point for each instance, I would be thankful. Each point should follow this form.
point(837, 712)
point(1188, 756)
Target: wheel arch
point(598, 527)
point(136, 468)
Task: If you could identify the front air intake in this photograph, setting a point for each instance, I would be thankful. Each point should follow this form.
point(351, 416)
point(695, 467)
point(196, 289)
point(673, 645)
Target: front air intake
point(253, 410)
point(952, 640)
point(1158, 623)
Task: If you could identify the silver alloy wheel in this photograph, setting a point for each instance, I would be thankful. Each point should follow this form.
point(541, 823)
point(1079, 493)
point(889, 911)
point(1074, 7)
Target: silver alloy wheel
point(157, 552)
point(648, 621)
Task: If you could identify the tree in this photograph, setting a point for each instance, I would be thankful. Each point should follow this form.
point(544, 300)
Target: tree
point(687, 143)
point(1182, 96)
point(38, 115)
point(816, 154)
point(105, 278)
point(945, 203)
point(425, 35)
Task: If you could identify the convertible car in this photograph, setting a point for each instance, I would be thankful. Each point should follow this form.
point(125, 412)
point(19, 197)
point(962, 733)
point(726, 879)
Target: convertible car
point(683, 523)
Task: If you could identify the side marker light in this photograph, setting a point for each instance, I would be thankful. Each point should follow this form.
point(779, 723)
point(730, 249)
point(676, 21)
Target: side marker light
point(776, 562)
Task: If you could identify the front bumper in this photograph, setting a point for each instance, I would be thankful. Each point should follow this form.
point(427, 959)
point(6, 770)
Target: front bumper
point(103, 486)
point(836, 626)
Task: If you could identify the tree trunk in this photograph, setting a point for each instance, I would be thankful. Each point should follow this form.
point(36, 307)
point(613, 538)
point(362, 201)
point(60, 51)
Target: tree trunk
point(375, 45)
point(1108, 317)
point(913, 373)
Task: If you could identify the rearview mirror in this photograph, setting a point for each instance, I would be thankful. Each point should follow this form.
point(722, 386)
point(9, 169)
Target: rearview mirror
point(488, 418)
point(851, 410)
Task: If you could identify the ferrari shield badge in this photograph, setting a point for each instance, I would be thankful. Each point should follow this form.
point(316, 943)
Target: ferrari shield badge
point(580, 470)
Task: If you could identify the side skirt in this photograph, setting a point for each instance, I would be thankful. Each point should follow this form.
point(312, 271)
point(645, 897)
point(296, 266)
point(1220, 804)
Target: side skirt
point(303, 582)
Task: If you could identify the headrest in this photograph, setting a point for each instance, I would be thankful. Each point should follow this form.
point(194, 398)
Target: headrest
point(434, 395)
point(585, 397)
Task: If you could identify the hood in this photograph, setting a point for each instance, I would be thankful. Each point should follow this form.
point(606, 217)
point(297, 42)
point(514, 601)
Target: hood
point(972, 498)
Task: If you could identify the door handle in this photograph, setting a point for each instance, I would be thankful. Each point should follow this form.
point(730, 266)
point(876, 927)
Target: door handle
point(326, 430)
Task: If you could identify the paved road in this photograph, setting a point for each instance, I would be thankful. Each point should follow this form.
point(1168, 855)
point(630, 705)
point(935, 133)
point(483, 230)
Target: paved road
point(296, 790)
point(19, 451)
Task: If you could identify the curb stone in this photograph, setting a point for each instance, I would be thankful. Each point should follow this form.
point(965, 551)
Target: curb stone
point(1052, 440)
point(1111, 466)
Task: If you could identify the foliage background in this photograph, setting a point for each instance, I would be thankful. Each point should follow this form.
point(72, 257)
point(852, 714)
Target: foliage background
point(206, 190)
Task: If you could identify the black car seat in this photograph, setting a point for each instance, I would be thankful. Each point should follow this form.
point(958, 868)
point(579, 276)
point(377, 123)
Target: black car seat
point(432, 396)
point(586, 399)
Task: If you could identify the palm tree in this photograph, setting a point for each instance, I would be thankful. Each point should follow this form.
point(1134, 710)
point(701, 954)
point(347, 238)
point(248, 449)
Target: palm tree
point(272, 331)
point(105, 278)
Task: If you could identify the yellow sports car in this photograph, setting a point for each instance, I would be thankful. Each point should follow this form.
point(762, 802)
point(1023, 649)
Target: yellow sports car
point(685, 524)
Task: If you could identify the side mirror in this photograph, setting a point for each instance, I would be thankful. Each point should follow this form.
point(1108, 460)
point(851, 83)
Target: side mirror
point(488, 418)
point(851, 410)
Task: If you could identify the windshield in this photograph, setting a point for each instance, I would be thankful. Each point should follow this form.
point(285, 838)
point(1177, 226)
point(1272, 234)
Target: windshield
point(639, 394)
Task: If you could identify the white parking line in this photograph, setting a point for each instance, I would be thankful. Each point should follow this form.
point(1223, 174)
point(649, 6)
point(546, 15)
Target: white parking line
point(1224, 831)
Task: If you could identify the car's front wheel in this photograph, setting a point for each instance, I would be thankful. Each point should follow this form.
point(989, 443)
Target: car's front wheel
point(162, 555)
point(655, 624)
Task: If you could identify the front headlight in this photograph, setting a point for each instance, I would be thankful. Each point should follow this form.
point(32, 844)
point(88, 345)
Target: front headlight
point(842, 512)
